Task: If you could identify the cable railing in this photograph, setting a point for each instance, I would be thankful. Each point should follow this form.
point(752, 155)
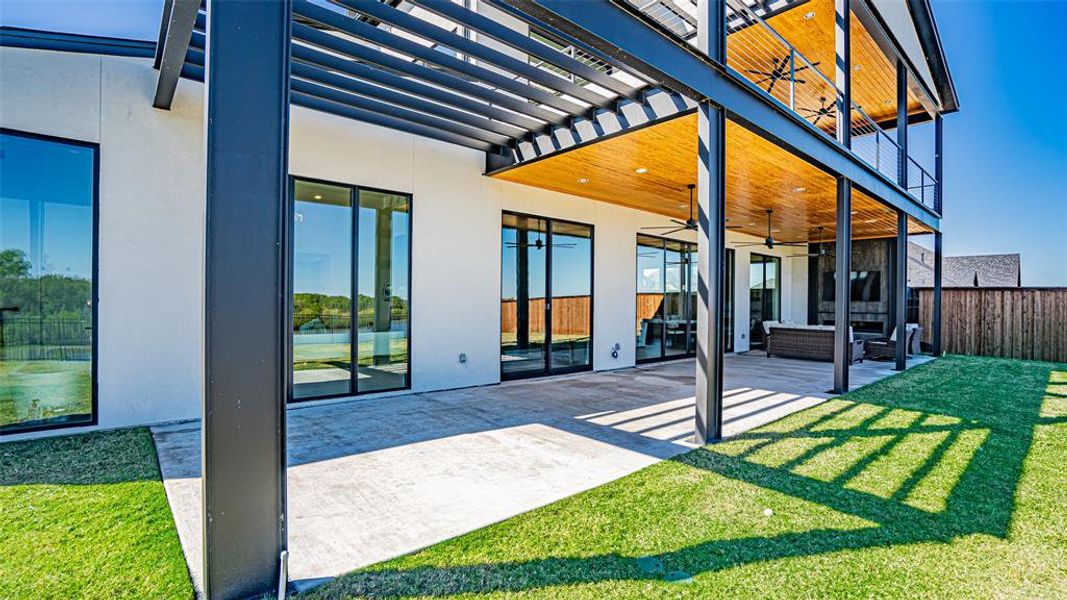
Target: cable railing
point(923, 186)
point(763, 56)
point(871, 143)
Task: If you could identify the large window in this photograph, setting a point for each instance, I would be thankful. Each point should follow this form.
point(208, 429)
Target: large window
point(546, 296)
point(349, 243)
point(667, 299)
point(47, 282)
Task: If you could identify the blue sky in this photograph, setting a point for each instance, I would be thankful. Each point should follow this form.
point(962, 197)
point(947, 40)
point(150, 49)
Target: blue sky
point(1005, 151)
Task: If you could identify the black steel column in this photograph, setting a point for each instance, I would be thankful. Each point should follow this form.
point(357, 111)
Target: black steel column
point(902, 124)
point(900, 286)
point(246, 296)
point(842, 286)
point(711, 239)
point(935, 325)
point(843, 70)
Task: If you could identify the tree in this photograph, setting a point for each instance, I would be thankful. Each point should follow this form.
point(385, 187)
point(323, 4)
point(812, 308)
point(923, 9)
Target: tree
point(13, 263)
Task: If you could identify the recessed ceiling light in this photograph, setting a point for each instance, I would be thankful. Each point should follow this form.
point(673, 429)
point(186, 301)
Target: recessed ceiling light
point(809, 15)
point(640, 170)
point(800, 190)
point(583, 181)
point(857, 67)
point(318, 196)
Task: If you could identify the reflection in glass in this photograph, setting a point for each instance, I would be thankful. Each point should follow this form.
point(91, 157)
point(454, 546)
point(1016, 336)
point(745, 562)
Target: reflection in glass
point(650, 289)
point(572, 295)
point(383, 291)
point(322, 290)
point(675, 321)
point(667, 276)
point(522, 296)
point(764, 295)
point(46, 282)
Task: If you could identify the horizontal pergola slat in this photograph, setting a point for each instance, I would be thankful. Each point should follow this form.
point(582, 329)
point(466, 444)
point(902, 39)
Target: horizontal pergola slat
point(382, 65)
point(438, 35)
point(451, 10)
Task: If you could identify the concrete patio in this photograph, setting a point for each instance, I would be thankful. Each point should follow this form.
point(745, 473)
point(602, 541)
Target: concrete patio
point(370, 479)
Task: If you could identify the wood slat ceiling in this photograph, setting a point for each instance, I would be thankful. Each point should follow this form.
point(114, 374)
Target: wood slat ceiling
point(759, 176)
point(873, 77)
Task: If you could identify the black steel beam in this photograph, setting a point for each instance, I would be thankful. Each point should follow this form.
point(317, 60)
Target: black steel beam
point(446, 80)
point(415, 50)
point(523, 43)
point(503, 131)
point(492, 118)
point(246, 297)
point(462, 134)
point(900, 286)
point(843, 70)
point(161, 39)
point(935, 325)
point(438, 35)
point(335, 102)
point(711, 241)
point(902, 124)
point(181, 18)
point(629, 40)
point(842, 287)
point(939, 164)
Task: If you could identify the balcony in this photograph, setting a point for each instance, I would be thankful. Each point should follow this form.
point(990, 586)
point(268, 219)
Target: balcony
point(788, 53)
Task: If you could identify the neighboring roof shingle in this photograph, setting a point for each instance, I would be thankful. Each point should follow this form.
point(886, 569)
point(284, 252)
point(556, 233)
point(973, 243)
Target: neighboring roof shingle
point(992, 270)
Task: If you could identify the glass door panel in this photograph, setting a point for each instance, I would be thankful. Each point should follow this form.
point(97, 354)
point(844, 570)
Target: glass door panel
point(322, 289)
point(764, 295)
point(728, 303)
point(676, 317)
point(382, 311)
point(571, 269)
point(650, 289)
point(47, 197)
point(524, 273)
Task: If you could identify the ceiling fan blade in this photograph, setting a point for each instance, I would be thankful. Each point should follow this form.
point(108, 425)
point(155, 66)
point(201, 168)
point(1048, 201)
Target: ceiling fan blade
point(659, 227)
point(730, 227)
point(674, 231)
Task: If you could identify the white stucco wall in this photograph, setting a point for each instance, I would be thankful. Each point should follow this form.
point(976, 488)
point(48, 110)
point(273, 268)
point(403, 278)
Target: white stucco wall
point(152, 223)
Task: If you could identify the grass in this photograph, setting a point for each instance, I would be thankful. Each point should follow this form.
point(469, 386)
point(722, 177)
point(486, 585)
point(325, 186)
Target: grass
point(947, 481)
point(86, 517)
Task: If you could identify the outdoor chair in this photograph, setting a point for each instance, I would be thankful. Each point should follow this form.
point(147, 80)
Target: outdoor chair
point(886, 348)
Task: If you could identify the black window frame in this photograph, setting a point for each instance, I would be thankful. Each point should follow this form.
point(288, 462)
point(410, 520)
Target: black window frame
point(688, 289)
point(549, 371)
point(354, 192)
point(94, 363)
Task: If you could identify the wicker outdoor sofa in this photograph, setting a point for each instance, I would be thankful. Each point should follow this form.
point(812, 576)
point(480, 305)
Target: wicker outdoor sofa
point(807, 342)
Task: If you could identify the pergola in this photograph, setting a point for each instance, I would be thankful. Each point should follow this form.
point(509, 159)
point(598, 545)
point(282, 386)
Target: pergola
point(610, 68)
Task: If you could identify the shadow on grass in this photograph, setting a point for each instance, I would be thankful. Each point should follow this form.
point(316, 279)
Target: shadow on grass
point(928, 456)
point(93, 458)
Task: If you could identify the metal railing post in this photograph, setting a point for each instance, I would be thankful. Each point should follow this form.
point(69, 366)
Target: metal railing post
point(792, 80)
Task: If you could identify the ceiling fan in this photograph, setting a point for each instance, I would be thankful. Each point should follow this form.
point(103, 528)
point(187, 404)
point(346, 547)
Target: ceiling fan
point(822, 249)
point(779, 72)
point(825, 110)
point(537, 244)
point(690, 223)
point(769, 241)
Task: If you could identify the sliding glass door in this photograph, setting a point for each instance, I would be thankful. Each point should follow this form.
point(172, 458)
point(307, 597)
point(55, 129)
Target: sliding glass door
point(349, 243)
point(47, 282)
point(546, 318)
point(764, 295)
point(667, 272)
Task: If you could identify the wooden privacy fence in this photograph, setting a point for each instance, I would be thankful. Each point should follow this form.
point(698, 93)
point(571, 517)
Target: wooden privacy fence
point(570, 315)
point(1027, 323)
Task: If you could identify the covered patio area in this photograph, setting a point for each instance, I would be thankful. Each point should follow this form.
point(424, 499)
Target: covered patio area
point(373, 479)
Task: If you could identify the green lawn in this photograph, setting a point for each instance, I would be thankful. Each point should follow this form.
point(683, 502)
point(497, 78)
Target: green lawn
point(949, 481)
point(86, 517)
